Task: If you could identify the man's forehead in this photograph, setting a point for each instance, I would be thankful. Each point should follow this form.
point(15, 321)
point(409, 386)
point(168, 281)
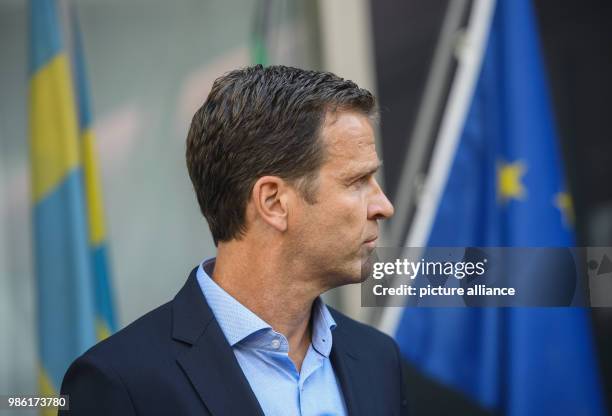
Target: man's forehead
point(351, 169)
point(348, 132)
point(350, 146)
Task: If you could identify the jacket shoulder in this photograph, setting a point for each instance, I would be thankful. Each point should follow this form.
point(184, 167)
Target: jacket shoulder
point(138, 347)
point(105, 379)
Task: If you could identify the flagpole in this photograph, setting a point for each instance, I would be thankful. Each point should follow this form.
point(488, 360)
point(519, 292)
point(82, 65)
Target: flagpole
point(432, 103)
point(470, 52)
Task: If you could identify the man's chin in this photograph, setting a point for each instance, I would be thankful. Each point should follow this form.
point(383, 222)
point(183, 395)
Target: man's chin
point(355, 278)
point(360, 272)
point(367, 263)
point(348, 276)
point(354, 271)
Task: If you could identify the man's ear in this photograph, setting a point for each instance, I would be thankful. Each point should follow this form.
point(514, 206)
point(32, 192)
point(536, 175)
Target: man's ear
point(269, 199)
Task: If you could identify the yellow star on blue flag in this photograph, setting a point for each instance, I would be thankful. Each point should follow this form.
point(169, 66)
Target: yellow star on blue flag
point(563, 201)
point(510, 180)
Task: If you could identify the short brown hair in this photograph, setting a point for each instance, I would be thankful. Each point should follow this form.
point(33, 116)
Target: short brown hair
point(261, 121)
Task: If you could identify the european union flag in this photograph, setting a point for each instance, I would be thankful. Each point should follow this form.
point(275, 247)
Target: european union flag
point(505, 187)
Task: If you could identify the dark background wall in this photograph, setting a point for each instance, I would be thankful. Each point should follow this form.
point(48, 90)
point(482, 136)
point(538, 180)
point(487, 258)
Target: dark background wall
point(577, 44)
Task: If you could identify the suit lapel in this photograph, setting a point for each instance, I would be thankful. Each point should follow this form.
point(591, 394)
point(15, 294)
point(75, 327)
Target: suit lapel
point(344, 362)
point(210, 364)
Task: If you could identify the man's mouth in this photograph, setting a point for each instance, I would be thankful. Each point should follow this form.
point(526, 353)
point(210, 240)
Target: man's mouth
point(371, 242)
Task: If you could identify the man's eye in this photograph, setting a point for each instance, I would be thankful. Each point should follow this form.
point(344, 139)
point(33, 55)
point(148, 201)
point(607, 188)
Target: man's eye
point(361, 181)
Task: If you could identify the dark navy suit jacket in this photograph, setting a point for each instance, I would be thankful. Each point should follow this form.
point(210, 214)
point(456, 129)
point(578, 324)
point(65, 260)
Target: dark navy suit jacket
point(175, 360)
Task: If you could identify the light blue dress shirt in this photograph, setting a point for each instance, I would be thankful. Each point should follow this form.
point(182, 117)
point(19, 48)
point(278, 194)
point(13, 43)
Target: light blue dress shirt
point(263, 355)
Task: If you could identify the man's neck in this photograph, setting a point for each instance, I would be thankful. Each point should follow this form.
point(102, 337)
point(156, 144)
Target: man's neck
point(271, 291)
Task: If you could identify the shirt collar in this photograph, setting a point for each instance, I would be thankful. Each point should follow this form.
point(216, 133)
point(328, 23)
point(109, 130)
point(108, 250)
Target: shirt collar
point(322, 325)
point(238, 322)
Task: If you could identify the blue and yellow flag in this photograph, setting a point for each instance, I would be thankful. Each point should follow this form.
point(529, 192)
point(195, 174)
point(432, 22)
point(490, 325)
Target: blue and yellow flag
point(505, 187)
point(105, 317)
point(74, 301)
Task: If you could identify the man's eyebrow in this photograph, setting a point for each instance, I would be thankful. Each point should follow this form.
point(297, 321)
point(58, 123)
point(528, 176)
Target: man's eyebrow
point(368, 172)
point(374, 168)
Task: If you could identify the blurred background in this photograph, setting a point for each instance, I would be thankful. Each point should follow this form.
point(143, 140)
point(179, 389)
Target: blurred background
point(149, 65)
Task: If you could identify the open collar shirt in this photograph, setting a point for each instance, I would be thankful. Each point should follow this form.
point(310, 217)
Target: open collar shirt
point(263, 355)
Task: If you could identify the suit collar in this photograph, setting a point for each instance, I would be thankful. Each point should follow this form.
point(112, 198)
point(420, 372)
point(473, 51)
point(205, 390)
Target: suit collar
point(210, 363)
point(190, 313)
point(345, 362)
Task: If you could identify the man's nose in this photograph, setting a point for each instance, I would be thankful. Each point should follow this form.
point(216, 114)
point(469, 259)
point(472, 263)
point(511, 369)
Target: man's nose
point(380, 207)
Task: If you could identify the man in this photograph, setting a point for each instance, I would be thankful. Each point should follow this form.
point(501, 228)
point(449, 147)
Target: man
point(282, 161)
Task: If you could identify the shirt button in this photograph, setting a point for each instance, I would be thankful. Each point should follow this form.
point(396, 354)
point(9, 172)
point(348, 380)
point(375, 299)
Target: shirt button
point(275, 344)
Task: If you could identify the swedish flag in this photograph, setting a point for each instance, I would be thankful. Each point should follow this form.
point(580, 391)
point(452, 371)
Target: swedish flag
point(74, 301)
point(105, 317)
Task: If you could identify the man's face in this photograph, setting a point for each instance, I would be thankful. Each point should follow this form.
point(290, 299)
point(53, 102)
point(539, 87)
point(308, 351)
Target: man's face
point(335, 235)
